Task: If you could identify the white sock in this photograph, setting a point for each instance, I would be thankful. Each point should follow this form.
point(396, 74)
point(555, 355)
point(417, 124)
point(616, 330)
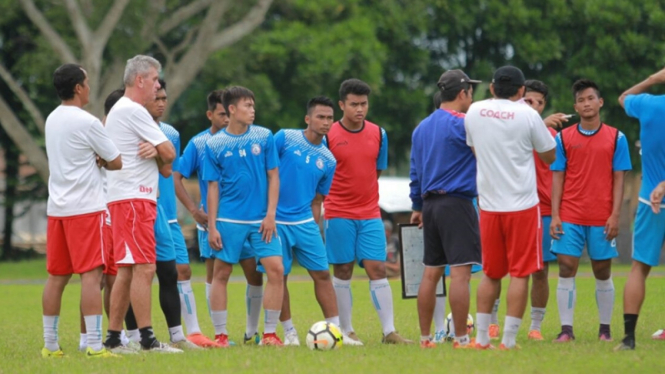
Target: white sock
point(510, 329)
point(188, 307)
point(334, 320)
point(271, 320)
point(83, 341)
point(425, 338)
point(537, 316)
point(219, 318)
point(176, 334)
point(566, 297)
point(463, 340)
point(134, 335)
point(51, 332)
point(440, 314)
point(93, 326)
point(495, 312)
point(288, 326)
point(254, 300)
point(483, 324)
point(124, 340)
point(605, 300)
point(344, 303)
point(208, 285)
point(382, 298)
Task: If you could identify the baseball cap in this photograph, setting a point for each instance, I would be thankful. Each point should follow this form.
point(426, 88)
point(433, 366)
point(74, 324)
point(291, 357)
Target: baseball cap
point(508, 76)
point(453, 79)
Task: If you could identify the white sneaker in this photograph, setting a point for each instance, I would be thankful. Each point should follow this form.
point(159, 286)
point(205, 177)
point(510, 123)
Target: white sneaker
point(351, 339)
point(124, 350)
point(291, 338)
point(439, 337)
point(186, 345)
point(160, 347)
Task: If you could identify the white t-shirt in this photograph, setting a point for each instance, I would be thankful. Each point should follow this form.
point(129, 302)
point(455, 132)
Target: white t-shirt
point(128, 124)
point(504, 135)
point(73, 139)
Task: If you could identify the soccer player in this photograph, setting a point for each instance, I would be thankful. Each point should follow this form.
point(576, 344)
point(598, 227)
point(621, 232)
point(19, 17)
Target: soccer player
point(132, 201)
point(76, 143)
point(503, 134)
point(192, 162)
point(305, 161)
point(649, 234)
point(241, 168)
point(353, 228)
point(587, 192)
point(443, 185)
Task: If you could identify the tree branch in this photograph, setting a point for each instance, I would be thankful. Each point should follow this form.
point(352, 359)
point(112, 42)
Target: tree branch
point(182, 14)
point(79, 23)
point(186, 41)
point(61, 48)
point(23, 96)
point(240, 29)
point(164, 50)
point(105, 29)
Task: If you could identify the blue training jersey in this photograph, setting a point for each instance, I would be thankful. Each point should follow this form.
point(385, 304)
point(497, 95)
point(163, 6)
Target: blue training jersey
point(240, 163)
point(305, 169)
point(192, 162)
point(166, 197)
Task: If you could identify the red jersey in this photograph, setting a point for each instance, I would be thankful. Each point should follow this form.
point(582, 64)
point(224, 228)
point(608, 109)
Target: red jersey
point(544, 181)
point(587, 188)
point(354, 193)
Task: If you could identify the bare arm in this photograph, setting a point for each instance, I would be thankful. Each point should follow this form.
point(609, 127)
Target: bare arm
point(612, 225)
point(548, 157)
point(115, 164)
point(165, 152)
point(214, 238)
point(316, 207)
point(198, 214)
point(268, 226)
point(556, 227)
point(164, 169)
point(643, 86)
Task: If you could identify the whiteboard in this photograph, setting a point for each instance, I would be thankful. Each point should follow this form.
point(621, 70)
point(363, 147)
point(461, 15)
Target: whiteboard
point(412, 249)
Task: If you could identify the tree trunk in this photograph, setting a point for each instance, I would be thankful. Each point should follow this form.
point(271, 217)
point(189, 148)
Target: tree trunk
point(11, 182)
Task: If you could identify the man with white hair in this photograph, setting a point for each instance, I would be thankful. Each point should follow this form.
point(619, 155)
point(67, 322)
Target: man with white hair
point(132, 194)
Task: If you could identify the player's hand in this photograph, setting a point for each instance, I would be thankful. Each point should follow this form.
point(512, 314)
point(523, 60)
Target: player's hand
point(268, 228)
point(214, 239)
point(417, 217)
point(611, 228)
point(556, 120)
point(657, 197)
point(556, 228)
point(100, 162)
point(201, 218)
point(147, 150)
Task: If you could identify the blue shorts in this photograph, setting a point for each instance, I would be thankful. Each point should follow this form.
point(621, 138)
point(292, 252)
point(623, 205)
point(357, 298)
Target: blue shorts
point(349, 240)
point(163, 237)
point(474, 269)
point(305, 242)
point(548, 256)
point(181, 254)
point(649, 235)
point(243, 240)
point(204, 248)
point(576, 236)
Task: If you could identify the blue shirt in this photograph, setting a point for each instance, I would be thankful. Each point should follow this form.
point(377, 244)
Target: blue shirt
point(305, 169)
point(650, 111)
point(192, 162)
point(620, 159)
point(240, 164)
point(441, 161)
point(166, 197)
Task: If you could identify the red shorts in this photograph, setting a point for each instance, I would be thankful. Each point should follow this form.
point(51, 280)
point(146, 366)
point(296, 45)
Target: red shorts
point(133, 224)
point(511, 242)
point(75, 244)
point(110, 267)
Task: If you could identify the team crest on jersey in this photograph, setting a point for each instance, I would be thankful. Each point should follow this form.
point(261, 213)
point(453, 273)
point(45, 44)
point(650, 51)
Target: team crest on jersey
point(319, 163)
point(256, 149)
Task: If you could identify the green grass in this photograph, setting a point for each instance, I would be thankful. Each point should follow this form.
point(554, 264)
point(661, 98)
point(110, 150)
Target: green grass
point(21, 336)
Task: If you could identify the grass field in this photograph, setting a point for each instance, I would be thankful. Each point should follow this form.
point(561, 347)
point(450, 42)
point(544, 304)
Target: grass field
point(21, 336)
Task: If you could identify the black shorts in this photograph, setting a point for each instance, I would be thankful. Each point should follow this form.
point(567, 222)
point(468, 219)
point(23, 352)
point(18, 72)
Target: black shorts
point(451, 232)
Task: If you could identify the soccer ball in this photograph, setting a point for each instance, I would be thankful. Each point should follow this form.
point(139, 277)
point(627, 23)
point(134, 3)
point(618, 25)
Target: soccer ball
point(450, 326)
point(324, 336)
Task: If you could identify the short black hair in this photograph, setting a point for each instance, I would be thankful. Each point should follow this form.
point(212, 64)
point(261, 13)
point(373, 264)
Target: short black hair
point(436, 99)
point(533, 85)
point(354, 87)
point(214, 98)
point(65, 79)
point(505, 91)
point(162, 84)
point(582, 84)
point(111, 99)
point(450, 95)
point(319, 100)
point(232, 95)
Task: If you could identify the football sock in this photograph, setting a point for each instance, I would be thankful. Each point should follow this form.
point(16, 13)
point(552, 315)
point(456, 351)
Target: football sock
point(605, 300)
point(510, 329)
point(288, 326)
point(344, 303)
point(495, 312)
point(440, 314)
point(483, 324)
point(425, 338)
point(334, 320)
point(208, 285)
point(629, 324)
point(271, 321)
point(83, 341)
point(134, 335)
point(382, 298)
point(169, 300)
point(112, 339)
point(566, 296)
point(148, 338)
point(188, 307)
point(253, 299)
point(176, 334)
point(130, 320)
point(537, 316)
point(51, 332)
point(219, 318)
point(93, 326)
point(463, 340)
point(124, 340)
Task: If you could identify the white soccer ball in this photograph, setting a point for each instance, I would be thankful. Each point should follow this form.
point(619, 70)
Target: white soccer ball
point(450, 326)
point(324, 336)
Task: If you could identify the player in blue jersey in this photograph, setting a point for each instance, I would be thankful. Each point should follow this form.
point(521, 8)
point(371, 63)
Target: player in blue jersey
point(192, 162)
point(649, 234)
point(303, 158)
point(241, 168)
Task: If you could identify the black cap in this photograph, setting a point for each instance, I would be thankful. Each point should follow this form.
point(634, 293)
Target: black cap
point(508, 76)
point(453, 79)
